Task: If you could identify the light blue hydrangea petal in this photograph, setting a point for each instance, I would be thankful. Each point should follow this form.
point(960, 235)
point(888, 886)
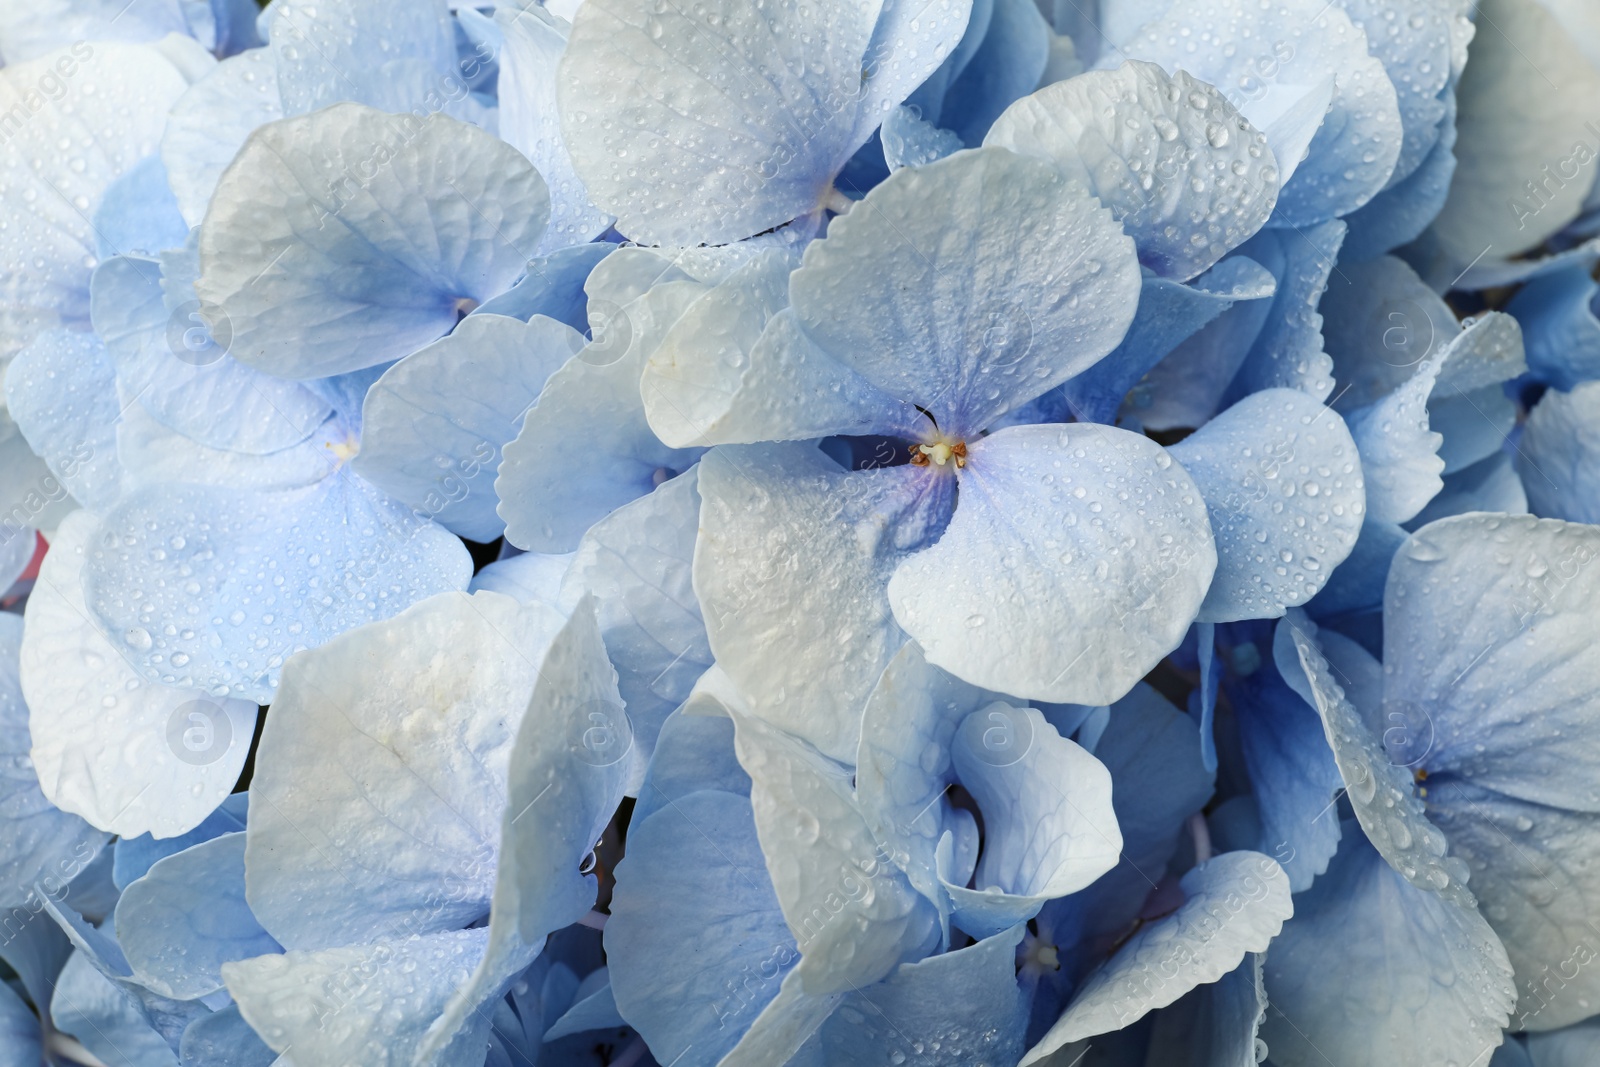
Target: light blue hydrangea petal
point(128, 754)
point(694, 750)
point(62, 391)
point(1036, 536)
point(1399, 214)
point(1558, 455)
point(729, 370)
point(1428, 981)
point(1380, 788)
point(187, 916)
point(363, 1003)
point(1006, 66)
point(694, 917)
point(1353, 154)
point(1514, 118)
point(1214, 180)
point(169, 361)
point(951, 1010)
point(1399, 449)
point(1357, 584)
point(21, 1042)
point(854, 915)
point(138, 213)
point(210, 122)
point(1473, 424)
point(224, 1039)
point(1489, 485)
point(911, 141)
point(410, 745)
point(316, 276)
point(112, 109)
point(530, 121)
point(597, 1011)
point(342, 554)
point(136, 855)
point(912, 41)
point(553, 287)
point(637, 562)
point(800, 110)
point(1559, 326)
point(948, 308)
point(572, 760)
point(30, 32)
point(433, 426)
point(105, 1019)
point(328, 51)
point(784, 1031)
point(528, 576)
point(1380, 322)
point(843, 534)
point(1571, 1047)
point(1049, 828)
point(1214, 1025)
point(1235, 904)
point(592, 416)
point(1282, 482)
point(1416, 56)
point(42, 843)
point(1292, 773)
point(1169, 313)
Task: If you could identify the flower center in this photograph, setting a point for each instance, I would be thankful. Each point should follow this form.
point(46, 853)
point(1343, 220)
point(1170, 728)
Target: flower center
point(939, 453)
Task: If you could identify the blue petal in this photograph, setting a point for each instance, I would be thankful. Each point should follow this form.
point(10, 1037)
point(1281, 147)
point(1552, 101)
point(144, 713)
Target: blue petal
point(1212, 179)
point(210, 122)
point(553, 287)
point(910, 141)
point(1417, 60)
point(136, 855)
point(433, 426)
point(315, 279)
point(1399, 450)
point(1047, 584)
point(1013, 282)
point(137, 213)
point(1214, 1025)
point(342, 555)
point(597, 1011)
point(528, 576)
point(106, 1020)
point(21, 1042)
point(224, 1039)
point(1399, 214)
point(1006, 66)
point(1235, 904)
point(694, 751)
point(1357, 584)
point(637, 562)
point(1572, 1047)
point(1559, 326)
point(187, 916)
point(62, 391)
point(694, 918)
point(1558, 455)
point(333, 51)
point(30, 32)
point(1282, 482)
point(1489, 485)
point(1374, 969)
point(411, 746)
point(843, 535)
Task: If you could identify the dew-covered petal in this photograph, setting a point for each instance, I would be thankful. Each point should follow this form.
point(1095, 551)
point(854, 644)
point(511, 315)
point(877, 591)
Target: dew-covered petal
point(956, 1009)
point(638, 563)
point(1214, 1025)
point(530, 120)
point(105, 1018)
point(334, 50)
point(969, 286)
point(1353, 154)
point(187, 916)
point(1558, 454)
point(383, 769)
point(852, 912)
point(1415, 53)
point(568, 768)
point(32, 31)
point(1399, 214)
point(1559, 326)
point(787, 538)
point(1380, 322)
point(432, 428)
point(1399, 451)
point(694, 919)
point(137, 213)
point(1489, 485)
point(1525, 101)
point(318, 276)
point(62, 391)
point(224, 1039)
point(911, 141)
point(363, 1003)
point(1373, 969)
point(210, 122)
point(111, 111)
point(1049, 828)
point(1235, 903)
point(1283, 487)
point(41, 842)
point(1357, 585)
point(213, 587)
point(136, 855)
point(528, 576)
point(178, 368)
point(127, 753)
point(553, 287)
point(1187, 176)
point(694, 750)
point(1089, 526)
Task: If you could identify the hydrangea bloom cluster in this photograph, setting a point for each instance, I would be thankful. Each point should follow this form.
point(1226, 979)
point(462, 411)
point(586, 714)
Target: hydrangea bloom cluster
point(746, 533)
